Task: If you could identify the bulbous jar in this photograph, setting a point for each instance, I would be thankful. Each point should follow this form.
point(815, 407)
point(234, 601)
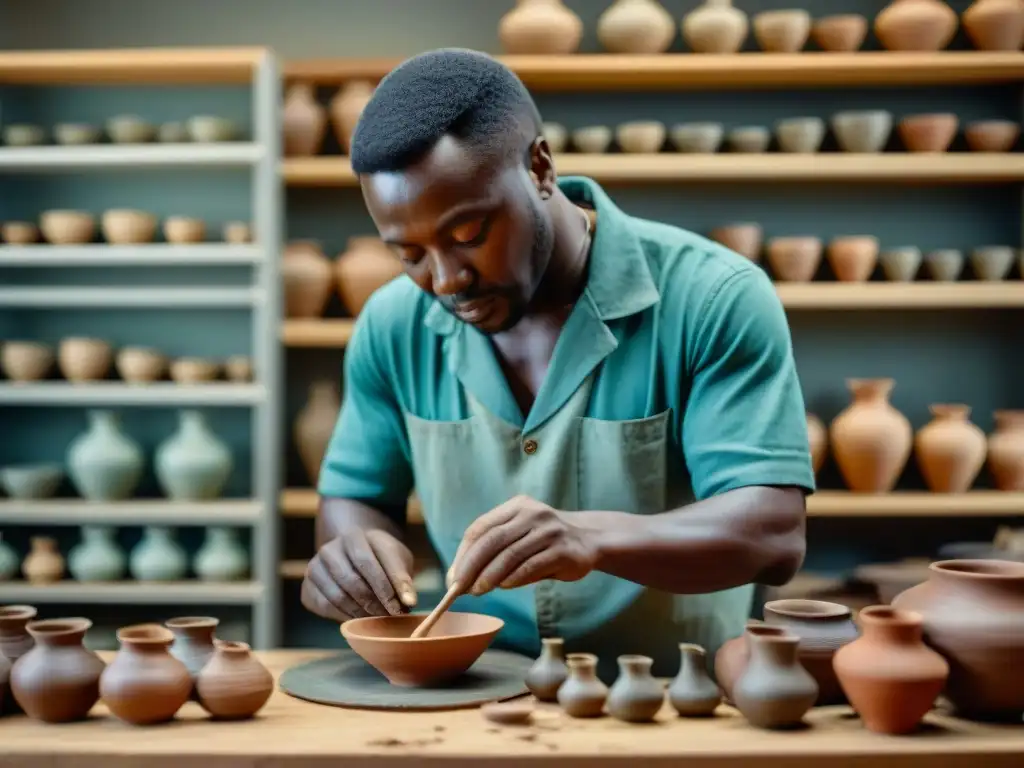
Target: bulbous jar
point(716, 27)
point(315, 424)
point(774, 691)
point(950, 450)
point(304, 121)
point(635, 697)
point(222, 557)
point(233, 685)
point(15, 642)
point(44, 563)
point(549, 671)
point(306, 274)
point(636, 26)
point(916, 25)
point(1006, 451)
point(692, 692)
point(582, 694)
point(193, 464)
point(870, 439)
point(734, 654)
point(158, 557)
point(97, 557)
point(365, 266)
point(995, 25)
point(145, 684)
point(193, 641)
point(104, 464)
point(540, 27)
point(347, 107)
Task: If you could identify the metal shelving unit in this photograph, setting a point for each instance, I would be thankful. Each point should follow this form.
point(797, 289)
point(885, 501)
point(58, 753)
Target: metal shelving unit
point(257, 68)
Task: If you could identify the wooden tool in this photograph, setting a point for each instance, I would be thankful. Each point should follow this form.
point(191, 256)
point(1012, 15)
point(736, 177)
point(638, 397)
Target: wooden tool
point(446, 602)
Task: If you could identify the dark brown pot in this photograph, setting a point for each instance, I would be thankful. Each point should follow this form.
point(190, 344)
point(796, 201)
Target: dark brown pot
point(823, 628)
point(58, 681)
point(234, 685)
point(15, 642)
point(732, 656)
point(774, 691)
point(144, 684)
point(193, 642)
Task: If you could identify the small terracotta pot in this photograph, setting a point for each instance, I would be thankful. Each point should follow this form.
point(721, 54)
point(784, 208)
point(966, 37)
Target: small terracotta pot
point(915, 25)
point(794, 259)
point(992, 135)
point(950, 450)
point(692, 692)
point(540, 27)
point(784, 31)
point(366, 265)
point(774, 691)
point(26, 360)
point(82, 359)
point(636, 26)
point(995, 25)
point(928, 133)
point(744, 238)
point(183, 229)
point(140, 364)
point(715, 26)
point(641, 136)
point(871, 440)
point(19, 233)
point(853, 257)
point(582, 694)
point(123, 226)
point(306, 272)
point(233, 685)
point(841, 33)
point(144, 684)
point(549, 671)
point(44, 563)
point(346, 106)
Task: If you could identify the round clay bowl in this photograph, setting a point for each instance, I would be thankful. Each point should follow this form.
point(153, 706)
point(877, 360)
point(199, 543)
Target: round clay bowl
point(744, 239)
point(700, 138)
point(83, 359)
point(862, 131)
point(182, 229)
point(127, 227)
point(22, 135)
point(992, 135)
point(800, 135)
point(557, 137)
point(26, 360)
point(140, 364)
point(129, 129)
point(237, 233)
point(928, 133)
point(194, 370)
point(641, 136)
point(842, 33)
point(238, 368)
point(67, 227)
point(74, 134)
point(853, 257)
point(794, 259)
point(454, 644)
point(750, 139)
point(945, 264)
point(210, 128)
point(901, 265)
point(593, 140)
point(992, 262)
point(20, 232)
point(31, 481)
point(172, 133)
point(784, 31)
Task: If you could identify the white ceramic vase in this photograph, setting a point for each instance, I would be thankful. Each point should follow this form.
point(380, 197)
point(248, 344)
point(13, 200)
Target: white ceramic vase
point(193, 464)
point(97, 557)
point(158, 557)
point(104, 464)
point(222, 556)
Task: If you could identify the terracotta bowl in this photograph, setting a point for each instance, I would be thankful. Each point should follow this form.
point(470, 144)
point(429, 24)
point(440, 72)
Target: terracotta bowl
point(783, 31)
point(67, 227)
point(237, 232)
point(842, 33)
point(745, 238)
point(454, 644)
point(123, 226)
point(183, 229)
point(26, 360)
point(992, 135)
point(794, 259)
point(19, 232)
point(928, 133)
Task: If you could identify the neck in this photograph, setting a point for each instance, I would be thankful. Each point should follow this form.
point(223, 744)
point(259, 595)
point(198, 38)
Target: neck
point(565, 276)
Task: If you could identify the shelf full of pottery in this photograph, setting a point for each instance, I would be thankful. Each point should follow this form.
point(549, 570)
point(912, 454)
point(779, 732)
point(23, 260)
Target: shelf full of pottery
point(124, 129)
point(872, 442)
point(155, 672)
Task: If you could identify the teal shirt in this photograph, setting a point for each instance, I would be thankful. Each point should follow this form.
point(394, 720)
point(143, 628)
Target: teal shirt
point(692, 327)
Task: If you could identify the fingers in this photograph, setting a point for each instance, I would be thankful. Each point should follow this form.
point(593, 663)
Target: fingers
point(396, 560)
point(508, 560)
point(314, 599)
point(542, 565)
point(335, 558)
point(363, 558)
point(480, 527)
point(490, 546)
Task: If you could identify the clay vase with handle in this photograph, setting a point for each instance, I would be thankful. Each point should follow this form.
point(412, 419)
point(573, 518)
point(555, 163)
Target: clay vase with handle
point(305, 121)
point(915, 25)
point(365, 266)
point(306, 273)
point(315, 424)
point(889, 675)
point(995, 25)
point(817, 438)
point(234, 685)
point(692, 692)
point(1006, 451)
point(950, 450)
point(870, 439)
point(733, 655)
point(974, 616)
point(540, 27)
point(774, 691)
point(346, 107)
point(635, 697)
point(549, 671)
point(145, 684)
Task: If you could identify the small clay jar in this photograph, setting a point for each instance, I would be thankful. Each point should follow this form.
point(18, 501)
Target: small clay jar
point(870, 439)
point(794, 259)
point(817, 438)
point(853, 257)
point(733, 655)
point(346, 106)
point(193, 642)
point(233, 685)
point(1006, 451)
point(715, 26)
point(144, 684)
point(549, 671)
point(636, 26)
point(15, 642)
point(774, 691)
point(44, 563)
point(365, 266)
point(823, 628)
point(58, 681)
point(582, 694)
point(635, 697)
point(915, 25)
point(540, 27)
point(890, 676)
point(950, 450)
point(743, 238)
point(995, 25)
point(304, 121)
point(307, 279)
point(692, 692)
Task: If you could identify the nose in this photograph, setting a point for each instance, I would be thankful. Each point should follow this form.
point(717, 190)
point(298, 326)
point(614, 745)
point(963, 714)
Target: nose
point(448, 275)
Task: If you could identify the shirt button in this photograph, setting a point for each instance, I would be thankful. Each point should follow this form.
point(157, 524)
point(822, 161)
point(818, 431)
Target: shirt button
point(530, 447)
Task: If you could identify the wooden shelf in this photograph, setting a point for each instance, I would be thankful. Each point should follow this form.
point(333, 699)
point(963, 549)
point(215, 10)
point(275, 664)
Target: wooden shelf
point(673, 167)
point(132, 593)
point(917, 295)
point(303, 502)
point(317, 333)
point(129, 157)
point(136, 512)
point(689, 71)
point(164, 393)
point(916, 504)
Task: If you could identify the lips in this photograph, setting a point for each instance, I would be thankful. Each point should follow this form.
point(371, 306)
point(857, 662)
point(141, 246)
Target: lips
point(475, 311)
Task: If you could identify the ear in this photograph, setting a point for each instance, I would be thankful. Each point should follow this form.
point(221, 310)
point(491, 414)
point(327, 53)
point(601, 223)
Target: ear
point(542, 168)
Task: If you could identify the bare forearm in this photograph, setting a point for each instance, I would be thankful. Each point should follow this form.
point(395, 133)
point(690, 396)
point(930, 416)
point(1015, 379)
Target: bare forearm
point(339, 515)
point(748, 535)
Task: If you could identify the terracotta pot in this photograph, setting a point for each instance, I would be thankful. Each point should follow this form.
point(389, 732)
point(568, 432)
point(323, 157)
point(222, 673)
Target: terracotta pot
point(745, 239)
point(823, 628)
point(733, 655)
point(890, 676)
point(193, 642)
point(15, 642)
point(636, 26)
point(26, 360)
point(234, 685)
point(901, 265)
point(44, 564)
point(582, 694)
point(974, 616)
point(145, 684)
point(304, 121)
point(842, 33)
point(774, 691)
point(853, 257)
point(995, 25)
point(794, 259)
point(315, 424)
point(58, 680)
point(549, 671)
point(915, 25)
point(992, 262)
point(635, 697)
point(817, 437)
point(692, 692)
point(365, 266)
point(540, 27)
point(950, 450)
point(1006, 451)
point(928, 133)
point(715, 27)
point(784, 31)
point(870, 439)
point(307, 279)
point(346, 106)
point(82, 359)
point(992, 135)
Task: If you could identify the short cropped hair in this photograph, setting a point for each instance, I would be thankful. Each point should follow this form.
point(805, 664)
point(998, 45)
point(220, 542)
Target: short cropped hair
point(451, 91)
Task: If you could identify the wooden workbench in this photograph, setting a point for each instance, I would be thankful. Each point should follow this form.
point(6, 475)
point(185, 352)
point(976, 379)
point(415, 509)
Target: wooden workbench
point(290, 733)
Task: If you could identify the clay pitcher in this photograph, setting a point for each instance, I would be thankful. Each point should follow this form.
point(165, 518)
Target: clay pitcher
point(995, 25)
point(365, 266)
point(890, 676)
point(307, 279)
point(733, 655)
point(346, 106)
point(950, 450)
point(974, 616)
point(817, 438)
point(15, 642)
point(915, 25)
point(305, 121)
point(539, 27)
point(234, 685)
point(823, 628)
point(871, 440)
point(315, 424)
point(549, 671)
point(144, 684)
point(58, 681)
point(1006, 451)
point(582, 694)
point(193, 642)
point(715, 27)
point(774, 691)
point(635, 697)
point(636, 26)
point(692, 692)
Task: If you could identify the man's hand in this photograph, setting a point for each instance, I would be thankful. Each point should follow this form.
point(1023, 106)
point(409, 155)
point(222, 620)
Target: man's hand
point(521, 542)
point(362, 573)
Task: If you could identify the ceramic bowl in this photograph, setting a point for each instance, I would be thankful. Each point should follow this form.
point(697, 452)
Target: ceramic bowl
point(945, 264)
point(454, 644)
point(183, 229)
point(700, 138)
point(123, 226)
point(31, 481)
point(593, 139)
point(841, 33)
point(129, 129)
point(76, 133)
point(210, 128)
point(750, 139)
point(784, 31)
point(140, 364)
point(23, 135)
point(193, 370)
point(172, 133)
point(853, 257)
point(901, 265)
point(992, 262)
point(26, 360)
point(67, 227)
point(743, 238)
point(238, 368)
point(928, 133)
point(862, 131)
point(557, 136)
point(992, 135)
point(794, 259)
point(237, 232)
point(801, 135)
point(641, 136)
point(20, 232)
point(83, 359)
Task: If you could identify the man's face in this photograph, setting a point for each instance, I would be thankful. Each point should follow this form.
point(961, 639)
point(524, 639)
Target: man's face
point(475, 235)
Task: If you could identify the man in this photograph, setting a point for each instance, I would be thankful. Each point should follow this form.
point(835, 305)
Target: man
point(600, 414)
